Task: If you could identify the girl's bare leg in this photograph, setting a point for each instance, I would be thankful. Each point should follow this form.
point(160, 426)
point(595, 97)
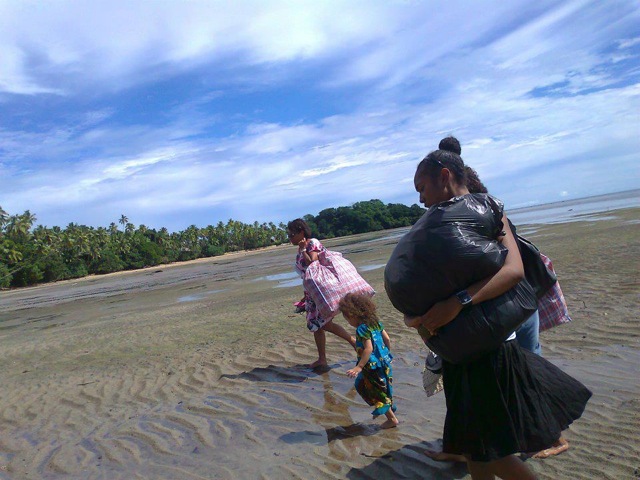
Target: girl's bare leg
point(321, 341)
point(340, 332)
point(507, 468)
point(391, 421)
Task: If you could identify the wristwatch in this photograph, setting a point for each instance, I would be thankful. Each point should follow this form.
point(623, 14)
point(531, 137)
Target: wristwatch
point(464, 298)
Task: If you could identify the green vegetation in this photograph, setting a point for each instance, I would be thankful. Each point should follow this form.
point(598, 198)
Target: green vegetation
point(36, 255)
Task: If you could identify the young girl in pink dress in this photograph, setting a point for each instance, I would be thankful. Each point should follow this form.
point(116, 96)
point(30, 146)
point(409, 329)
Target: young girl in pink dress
point(299, 234)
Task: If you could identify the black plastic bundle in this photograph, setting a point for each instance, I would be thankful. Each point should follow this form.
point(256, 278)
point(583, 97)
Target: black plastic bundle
point(452, 246)
point(481, 328)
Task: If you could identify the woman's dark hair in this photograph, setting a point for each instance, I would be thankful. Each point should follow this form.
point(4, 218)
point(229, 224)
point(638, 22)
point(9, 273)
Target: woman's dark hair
point(359, 307)
point(450, 144)
point(474, 184)
point(299, 225)
point(432, 164)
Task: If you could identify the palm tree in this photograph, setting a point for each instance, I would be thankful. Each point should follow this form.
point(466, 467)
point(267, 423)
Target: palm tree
point(163, 236)
point(4, 216)
point(29, 218)
point(42, 240)
point(18, 226)
point(13, 256)
point(123, 220)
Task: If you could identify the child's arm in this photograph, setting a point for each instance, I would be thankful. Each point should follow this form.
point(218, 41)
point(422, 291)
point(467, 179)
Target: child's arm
point(386, 339)
point(364, 359)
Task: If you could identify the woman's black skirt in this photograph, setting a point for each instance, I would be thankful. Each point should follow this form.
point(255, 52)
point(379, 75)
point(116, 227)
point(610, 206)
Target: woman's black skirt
point(507, 402)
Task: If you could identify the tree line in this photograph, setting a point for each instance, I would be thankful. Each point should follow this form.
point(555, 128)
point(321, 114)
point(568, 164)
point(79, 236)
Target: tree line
point(30, 255)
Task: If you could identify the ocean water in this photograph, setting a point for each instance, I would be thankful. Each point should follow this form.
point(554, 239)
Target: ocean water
point(590, 208)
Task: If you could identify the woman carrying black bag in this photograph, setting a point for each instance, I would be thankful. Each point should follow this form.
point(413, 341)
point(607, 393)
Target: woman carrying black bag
point(508, 400)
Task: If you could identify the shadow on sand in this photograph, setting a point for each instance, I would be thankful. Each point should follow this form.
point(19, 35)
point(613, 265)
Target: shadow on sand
point(317, 437)
point(279, 374)
point(410, 462)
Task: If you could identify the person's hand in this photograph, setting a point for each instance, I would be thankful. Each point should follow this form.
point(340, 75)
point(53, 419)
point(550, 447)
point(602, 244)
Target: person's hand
point(441, 314)
point(302, 243)
point(353, 373)
point(413, 322)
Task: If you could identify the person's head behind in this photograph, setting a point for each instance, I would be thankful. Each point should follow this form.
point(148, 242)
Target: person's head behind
point(440, 176)
point(450, 144)
point(298, 230)
point(474, 184)
point(358, 309)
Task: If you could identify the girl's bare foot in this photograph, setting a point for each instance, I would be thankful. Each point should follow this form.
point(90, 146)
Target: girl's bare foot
point(557, 448)
point(389, 423)
point(318, 363)
point(444, 457)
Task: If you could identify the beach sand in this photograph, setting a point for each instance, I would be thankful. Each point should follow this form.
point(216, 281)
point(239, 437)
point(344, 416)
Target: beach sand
point(197, 371)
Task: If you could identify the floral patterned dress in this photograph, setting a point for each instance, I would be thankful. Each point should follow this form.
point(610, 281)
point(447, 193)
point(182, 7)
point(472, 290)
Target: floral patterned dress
point(374, 382)
point(314, 321)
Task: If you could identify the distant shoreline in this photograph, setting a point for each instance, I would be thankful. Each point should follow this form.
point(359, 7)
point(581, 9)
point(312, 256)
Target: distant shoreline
point(539, 207)
point(577, 200)
point(239, 253)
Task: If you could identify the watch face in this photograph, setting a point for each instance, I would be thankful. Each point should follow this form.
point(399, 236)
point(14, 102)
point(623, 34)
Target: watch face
point(464, 297)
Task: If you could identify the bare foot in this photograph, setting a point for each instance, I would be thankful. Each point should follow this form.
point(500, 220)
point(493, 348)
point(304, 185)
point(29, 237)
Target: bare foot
point(560, 446)
point(444, 457)
point(389, 423)
point(318, 363)
point(392, 420)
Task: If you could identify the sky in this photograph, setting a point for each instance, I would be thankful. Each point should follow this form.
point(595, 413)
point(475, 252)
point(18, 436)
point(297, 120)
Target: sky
point(176, 113)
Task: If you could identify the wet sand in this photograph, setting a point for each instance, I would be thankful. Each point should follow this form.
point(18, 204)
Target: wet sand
point(198, 370)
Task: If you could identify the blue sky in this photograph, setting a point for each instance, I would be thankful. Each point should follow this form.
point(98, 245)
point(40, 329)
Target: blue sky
point(193, 112)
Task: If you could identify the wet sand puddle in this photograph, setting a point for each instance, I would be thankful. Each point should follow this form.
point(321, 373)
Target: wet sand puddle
point(284, 280)
point(292, 279)
point(198, 296)
point(375, 266)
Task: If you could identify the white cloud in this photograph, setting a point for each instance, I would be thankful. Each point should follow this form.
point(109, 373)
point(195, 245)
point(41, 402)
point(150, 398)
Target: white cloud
point(270, 139)
point(116, 41)
point(628, 42)
point(111, 44)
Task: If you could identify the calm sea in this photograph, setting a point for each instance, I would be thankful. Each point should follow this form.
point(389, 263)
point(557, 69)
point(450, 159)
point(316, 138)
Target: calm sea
point(575, 210)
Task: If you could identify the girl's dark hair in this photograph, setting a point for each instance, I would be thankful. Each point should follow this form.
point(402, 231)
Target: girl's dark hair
point(360, 307)
point(299, 225)
point(450, 144)
point(474, 184)
point(432, 164)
